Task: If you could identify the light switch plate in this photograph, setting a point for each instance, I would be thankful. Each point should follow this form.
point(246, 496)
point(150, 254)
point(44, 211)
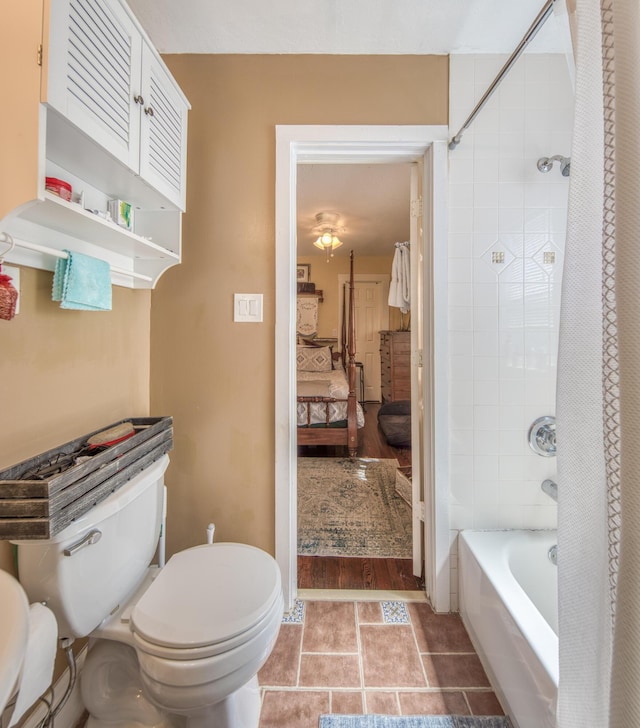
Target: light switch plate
point(247, 307)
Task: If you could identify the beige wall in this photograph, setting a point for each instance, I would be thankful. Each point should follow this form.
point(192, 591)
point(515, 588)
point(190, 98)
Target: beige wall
point(65, 373)
point(20, 34)
point(214, 376)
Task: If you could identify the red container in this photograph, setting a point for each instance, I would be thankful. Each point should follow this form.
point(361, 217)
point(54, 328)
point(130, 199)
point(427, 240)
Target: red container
point(58, 187)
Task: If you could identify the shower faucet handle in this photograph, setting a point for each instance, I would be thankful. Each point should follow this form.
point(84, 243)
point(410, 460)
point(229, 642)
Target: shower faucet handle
point(547, 437)
point(542, 436)
point(550, 488)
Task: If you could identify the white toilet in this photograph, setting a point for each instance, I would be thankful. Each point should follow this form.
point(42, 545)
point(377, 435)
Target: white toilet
point(28, 643)
point(185, 640)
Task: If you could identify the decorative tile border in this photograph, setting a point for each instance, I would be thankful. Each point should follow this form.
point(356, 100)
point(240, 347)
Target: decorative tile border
point(295, 615)
point(395, 613)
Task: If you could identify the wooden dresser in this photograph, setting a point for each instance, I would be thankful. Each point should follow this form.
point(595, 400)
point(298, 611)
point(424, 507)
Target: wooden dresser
point(395, 365)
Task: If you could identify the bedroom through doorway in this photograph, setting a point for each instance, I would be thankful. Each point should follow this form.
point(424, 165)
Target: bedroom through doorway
point(354, 516)
point(425, 145)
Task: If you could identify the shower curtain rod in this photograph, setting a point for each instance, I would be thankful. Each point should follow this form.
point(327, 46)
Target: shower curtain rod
point(528, 37)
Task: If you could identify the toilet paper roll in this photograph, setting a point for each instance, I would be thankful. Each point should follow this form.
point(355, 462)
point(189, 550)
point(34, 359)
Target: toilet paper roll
point(37, 668)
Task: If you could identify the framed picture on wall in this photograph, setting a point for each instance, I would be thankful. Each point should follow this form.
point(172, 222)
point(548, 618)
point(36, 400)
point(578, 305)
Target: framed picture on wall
point(303, 272)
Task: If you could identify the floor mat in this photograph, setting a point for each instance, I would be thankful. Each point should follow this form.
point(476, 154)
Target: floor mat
point(413, 721)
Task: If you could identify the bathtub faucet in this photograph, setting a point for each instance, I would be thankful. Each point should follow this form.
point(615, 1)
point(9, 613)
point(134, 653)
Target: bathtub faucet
point(550, 488)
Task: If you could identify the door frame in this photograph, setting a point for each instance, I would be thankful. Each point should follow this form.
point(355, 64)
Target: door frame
point(384, 279)
point(363, 144)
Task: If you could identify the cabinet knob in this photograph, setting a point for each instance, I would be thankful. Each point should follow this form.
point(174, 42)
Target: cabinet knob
point(148, 111)
point(138, 99)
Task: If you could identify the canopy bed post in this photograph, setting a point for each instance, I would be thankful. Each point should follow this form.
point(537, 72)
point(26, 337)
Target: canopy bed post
point(352, 434)
point(343, 326)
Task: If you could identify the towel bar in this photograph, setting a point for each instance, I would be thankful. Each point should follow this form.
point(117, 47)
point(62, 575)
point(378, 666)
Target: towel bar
point(6, 238)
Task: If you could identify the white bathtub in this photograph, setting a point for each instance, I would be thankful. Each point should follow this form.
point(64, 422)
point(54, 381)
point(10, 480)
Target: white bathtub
point(509, 604)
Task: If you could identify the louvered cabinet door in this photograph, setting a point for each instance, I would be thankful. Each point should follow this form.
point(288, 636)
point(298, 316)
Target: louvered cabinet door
point(163, 131)
point(94, 69)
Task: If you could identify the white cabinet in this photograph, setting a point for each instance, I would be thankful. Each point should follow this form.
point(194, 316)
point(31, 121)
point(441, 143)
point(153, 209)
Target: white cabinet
point(112, 122)
point(104, 78)
point(94, 59)
point(163, 133)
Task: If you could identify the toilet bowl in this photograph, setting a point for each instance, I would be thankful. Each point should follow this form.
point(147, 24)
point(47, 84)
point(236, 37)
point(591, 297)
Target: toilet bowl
point(27, 650)
point(181, 643)
point(200, 631)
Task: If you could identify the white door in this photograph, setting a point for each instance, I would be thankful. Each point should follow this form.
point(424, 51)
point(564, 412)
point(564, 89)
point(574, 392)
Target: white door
point(371, 293)
point(428, 380)
point(367, 298)
point(163, 132)
point(417, 369)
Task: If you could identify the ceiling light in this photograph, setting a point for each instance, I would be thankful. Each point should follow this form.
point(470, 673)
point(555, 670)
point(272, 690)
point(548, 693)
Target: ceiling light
point(327, 227)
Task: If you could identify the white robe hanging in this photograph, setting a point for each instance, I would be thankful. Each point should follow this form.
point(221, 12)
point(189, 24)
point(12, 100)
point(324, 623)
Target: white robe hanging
point(400, 286)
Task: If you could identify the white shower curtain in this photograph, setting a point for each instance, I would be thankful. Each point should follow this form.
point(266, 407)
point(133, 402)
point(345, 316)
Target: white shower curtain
point(598, 408)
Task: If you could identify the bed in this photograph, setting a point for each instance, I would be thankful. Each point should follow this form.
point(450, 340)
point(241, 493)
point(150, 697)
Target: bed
point(328, 412)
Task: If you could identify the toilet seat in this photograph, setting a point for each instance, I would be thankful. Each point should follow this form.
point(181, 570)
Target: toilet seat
point(207, 600)
point(178, 670)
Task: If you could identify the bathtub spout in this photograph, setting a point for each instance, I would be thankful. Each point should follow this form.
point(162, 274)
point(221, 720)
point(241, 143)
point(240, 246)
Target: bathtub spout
point(551, 489)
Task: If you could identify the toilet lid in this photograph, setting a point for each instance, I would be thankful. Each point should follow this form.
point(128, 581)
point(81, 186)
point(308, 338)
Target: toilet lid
point(207, 594)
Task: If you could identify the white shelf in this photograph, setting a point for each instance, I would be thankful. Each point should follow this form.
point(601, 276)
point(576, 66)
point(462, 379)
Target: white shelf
point(71, 149)
point(70, 219)
point(43, 228)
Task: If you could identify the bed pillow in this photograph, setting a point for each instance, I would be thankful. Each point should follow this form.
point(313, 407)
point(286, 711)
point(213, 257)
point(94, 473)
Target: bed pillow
point(313, 358)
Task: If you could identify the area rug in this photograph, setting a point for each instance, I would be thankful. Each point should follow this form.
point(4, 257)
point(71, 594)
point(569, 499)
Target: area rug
point(413, 721)
point(403, 484)
point(350, 508)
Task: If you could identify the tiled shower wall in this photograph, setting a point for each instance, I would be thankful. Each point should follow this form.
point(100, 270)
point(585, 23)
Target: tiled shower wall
point(506, 240)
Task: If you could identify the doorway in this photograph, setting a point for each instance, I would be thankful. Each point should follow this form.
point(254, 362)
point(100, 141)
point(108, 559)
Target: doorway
point(373, 145)
point(355, 525)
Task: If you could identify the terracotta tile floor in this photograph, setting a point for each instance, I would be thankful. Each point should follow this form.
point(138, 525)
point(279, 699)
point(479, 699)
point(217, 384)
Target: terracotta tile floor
point(371, 657)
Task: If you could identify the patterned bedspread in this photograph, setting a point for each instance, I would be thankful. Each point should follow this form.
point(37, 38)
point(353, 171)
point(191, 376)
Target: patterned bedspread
point(336, 381)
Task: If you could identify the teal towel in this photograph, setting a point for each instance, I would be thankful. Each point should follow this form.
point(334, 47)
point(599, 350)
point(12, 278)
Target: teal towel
point(82, 282)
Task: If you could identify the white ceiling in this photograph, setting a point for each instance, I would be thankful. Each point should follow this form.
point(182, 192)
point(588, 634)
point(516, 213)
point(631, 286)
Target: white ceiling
point(372, 200)
point(346, 26)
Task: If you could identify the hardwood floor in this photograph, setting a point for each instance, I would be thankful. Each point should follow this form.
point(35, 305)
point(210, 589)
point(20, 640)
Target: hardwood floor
point(341, 572)
point(371, 443)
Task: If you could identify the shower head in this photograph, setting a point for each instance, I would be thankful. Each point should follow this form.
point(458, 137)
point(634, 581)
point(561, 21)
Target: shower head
point(545, 164)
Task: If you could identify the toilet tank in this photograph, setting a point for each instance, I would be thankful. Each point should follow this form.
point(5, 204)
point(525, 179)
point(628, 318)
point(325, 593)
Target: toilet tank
point(83, 588)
